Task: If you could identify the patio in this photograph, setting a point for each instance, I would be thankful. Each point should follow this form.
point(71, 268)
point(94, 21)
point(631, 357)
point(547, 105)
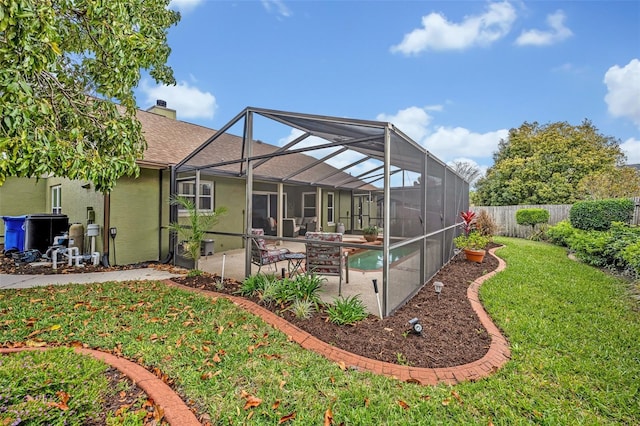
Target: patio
point(360, 281)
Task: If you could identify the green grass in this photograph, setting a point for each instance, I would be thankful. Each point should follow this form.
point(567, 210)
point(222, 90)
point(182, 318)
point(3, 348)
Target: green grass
point(574, 333)
point(57, 387)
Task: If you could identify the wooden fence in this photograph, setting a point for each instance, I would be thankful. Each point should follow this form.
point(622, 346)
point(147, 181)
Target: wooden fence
point(505, 216)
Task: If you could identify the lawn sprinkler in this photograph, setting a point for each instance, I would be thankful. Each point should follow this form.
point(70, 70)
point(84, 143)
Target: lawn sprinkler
point(438, 287)
point(375, 288)
point(416, 327)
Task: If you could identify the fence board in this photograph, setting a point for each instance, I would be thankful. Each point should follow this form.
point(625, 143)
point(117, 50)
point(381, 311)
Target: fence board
point(505, 216)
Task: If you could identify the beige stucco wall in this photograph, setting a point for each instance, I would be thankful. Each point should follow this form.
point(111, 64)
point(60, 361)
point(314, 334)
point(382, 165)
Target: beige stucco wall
point(75, 202)
point(229, 193)
point(20, 196)
point(134, 207)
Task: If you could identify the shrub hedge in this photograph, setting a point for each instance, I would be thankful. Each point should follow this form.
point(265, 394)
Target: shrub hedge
point(532, 217)
point(598, 215)
point(617, 248)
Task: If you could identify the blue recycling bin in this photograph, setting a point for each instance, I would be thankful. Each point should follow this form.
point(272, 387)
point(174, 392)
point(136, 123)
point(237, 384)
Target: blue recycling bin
point(14, 232)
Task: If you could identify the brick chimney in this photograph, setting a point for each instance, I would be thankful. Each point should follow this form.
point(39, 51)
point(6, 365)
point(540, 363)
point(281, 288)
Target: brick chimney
point(160, 108)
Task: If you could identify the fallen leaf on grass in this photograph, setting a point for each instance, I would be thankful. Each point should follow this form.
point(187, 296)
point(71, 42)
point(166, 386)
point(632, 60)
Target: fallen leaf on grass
point(403, 404)
point(456, 395)
point(287, 418)
point(252, 401)
point(328, 417)
point(275, 405)
point(446, 402)
point(62, 405)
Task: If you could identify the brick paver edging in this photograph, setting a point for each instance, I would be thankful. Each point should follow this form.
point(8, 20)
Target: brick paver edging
point(497, 355)
point(176, 412)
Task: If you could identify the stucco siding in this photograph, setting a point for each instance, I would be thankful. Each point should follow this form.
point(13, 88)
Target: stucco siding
point(135, 214)
point(20, 196)
point(76, 201)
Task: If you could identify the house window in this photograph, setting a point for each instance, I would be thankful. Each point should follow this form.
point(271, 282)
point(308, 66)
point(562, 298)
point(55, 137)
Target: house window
point(330, 208)
point(309, 204)
point(56, 199)
point(203, 199)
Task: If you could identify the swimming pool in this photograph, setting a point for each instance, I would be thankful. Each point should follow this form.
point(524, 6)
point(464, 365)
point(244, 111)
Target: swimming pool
point(371, 260)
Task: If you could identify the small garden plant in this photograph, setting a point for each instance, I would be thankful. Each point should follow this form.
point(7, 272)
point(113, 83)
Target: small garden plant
point(346, 311)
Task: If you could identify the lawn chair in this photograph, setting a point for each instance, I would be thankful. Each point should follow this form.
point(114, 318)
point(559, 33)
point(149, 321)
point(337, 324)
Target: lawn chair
point(263, 254)
point(323, 259)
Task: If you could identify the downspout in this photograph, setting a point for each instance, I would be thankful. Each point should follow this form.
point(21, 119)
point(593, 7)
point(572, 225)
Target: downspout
point(105, 227)
point(173, 210)
point(160, 214)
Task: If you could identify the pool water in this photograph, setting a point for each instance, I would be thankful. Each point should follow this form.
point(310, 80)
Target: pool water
point(371, 260)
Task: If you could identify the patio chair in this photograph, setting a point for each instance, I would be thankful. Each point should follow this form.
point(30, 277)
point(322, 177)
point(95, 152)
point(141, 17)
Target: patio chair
point(289, 228)
point(325, 259)
point(263, 254)
point(308, 224)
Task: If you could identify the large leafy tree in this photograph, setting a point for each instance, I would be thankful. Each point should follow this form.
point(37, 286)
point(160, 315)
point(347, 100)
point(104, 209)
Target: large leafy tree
point(621, 182)
point(67, 73)
point(544, 164)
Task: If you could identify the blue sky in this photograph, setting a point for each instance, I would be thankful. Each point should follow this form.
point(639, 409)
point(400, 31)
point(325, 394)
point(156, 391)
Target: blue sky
point(453, 75)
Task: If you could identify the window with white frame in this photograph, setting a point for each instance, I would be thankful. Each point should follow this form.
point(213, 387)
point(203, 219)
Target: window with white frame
point(308, 204)
point(203, 199)
point(56, 199)
point(330, 208)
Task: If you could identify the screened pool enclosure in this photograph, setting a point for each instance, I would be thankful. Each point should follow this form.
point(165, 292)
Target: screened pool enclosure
point(346, 174)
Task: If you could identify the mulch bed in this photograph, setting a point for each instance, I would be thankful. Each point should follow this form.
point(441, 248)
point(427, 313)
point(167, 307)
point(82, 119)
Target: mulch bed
point(452, 333)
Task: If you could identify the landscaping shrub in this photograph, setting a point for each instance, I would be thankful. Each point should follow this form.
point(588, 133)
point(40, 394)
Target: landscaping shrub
point(618, 248)
point(560, 233)
point(599, 214)
point(631, 255)
point(590, 246)
point(532, 217)
point(485, 224)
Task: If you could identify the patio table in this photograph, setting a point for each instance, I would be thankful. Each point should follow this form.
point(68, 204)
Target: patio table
point(295, 262)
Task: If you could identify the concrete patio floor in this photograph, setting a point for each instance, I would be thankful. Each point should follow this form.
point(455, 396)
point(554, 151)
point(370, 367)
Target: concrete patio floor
point(360, 282)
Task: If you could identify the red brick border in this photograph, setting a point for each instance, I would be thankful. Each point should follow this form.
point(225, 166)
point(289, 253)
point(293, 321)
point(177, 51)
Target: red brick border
point(498, 354)
point(176, 412)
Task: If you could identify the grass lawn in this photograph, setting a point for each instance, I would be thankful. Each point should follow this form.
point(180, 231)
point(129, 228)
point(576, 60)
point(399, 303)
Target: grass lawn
point(574, 333)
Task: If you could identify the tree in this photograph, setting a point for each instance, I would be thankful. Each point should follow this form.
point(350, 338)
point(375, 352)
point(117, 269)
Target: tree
point(67, 73)
point(620, 182)
point(544, 164)
point(468, 170)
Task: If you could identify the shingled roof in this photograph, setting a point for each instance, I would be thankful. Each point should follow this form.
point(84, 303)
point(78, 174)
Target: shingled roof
point(169, 141)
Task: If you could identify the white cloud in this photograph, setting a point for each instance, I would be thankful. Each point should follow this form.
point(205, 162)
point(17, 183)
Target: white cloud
point(184, 5)
point(412, 121)
point(557, 32)
point(188, 101)
point(439, 34)
point(454, 142)
point(623, 91)
point(631, 148)
point(278, 6)
point(446, 143)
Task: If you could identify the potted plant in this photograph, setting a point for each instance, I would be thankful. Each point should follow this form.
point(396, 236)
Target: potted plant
point(471, 241)
point(370, 233)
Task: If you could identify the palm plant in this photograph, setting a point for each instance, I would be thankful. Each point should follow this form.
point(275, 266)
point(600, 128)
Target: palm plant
point(199, 223)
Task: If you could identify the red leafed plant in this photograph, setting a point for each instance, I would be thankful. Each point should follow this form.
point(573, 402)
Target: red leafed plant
point(469, 221)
